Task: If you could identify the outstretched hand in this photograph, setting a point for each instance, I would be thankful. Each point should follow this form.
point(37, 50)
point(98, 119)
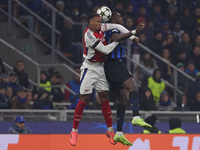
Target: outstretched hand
point(140, 27)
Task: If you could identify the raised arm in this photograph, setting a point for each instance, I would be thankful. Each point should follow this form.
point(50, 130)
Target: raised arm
point(109, 26)
point(116, 36)
point(93, 42)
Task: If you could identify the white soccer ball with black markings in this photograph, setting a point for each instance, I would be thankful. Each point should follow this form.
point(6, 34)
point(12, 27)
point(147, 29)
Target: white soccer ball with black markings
point(105, 13)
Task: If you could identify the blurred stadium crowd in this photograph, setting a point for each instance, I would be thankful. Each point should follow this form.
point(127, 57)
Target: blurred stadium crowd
point(172, 31)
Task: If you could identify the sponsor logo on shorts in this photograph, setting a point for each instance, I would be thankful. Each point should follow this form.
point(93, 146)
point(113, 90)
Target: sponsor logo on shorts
point(86, 90)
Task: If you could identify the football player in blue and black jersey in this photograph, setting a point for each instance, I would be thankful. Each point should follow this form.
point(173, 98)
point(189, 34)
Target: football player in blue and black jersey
point(121, 81)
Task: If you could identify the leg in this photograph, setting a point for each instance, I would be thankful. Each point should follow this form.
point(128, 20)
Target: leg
point(122, 97)
point(79, 110)
point(106, 111)
point(77, 117)
point(30, 21)
point(130, 85)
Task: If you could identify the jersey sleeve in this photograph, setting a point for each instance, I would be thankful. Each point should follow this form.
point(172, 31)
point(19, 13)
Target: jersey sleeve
point(91, 40)
point(115, 31)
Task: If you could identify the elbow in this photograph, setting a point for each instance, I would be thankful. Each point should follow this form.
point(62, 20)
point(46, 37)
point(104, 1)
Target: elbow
point(117, 39)
point(105, 53)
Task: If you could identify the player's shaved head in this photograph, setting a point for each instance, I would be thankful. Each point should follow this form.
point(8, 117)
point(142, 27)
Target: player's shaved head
point(116, 18)
point(91, 16)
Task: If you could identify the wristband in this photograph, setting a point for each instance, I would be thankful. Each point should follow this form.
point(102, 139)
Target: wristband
point(133, 32)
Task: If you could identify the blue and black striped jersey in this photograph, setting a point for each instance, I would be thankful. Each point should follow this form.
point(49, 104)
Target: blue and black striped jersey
point(118, 52)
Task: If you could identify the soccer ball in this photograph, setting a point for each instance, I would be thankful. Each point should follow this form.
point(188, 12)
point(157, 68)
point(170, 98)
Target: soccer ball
point(105, 13)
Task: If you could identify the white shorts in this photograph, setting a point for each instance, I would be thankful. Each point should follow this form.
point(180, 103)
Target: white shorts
point(93, 76)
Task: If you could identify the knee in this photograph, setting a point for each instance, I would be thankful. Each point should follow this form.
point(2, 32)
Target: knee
point(84, 98)
point(103, 97)
point(124, 102)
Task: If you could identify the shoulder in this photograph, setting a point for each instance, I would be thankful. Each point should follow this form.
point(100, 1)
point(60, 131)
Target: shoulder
point(89, 34)
point(11, 130)
point(115, 31)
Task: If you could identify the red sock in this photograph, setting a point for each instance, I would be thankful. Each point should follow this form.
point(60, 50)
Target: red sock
point(78, 113)
point(106, 111)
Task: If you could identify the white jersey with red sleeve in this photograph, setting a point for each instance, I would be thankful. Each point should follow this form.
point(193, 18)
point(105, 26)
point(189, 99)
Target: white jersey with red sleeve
point(91, 40)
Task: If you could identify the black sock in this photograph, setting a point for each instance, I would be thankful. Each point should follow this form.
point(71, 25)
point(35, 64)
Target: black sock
point(120, 116)
point(133, 98)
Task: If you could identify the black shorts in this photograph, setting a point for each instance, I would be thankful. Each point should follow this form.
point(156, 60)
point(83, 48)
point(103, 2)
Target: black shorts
point(116, 73)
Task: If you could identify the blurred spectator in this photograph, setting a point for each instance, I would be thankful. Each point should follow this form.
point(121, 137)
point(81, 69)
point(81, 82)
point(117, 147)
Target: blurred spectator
point(175, 126)
point(165, 30)
point(165, 68)
point(141, 12)
point(182, 103)
point(21, 74)
point(75, 13)
point(151, 120)
point(197, 15)
point(23, 15)
point(119, 7)
point(177, 31)
point(94, 8)
point(3, 79)
point(171, 17)
point(68, 40)
point(156, 85)
point(196, 31)
point(146, 101)
point(4, 103)
point(156, 15)
point(2, 68)
point(149, 63)
point(180, 57)
point(169, 43)
point(196, 41)
point(129, 11)
point(60, 5)
point(43, 101)
point(74, 85)
point(165, 103)
point(156, 43)
point(149, 30)
point(143, 41)
point(139, 3)
point(44, 81)
point(175, 5)
point(20, 101)
point(60, 82)
point(182, 80)
point(186, 17)
point(129, 23)
point(196, 102)
point(191, 69)
point(185, 44)
point(12, 82)
point(18, 126)
point(44, 31)
point(193, 88)
point(58, 96)
point(52, 71)
point(142, 88)
point(195, 56)
point(83, 19)
point(9, 93)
